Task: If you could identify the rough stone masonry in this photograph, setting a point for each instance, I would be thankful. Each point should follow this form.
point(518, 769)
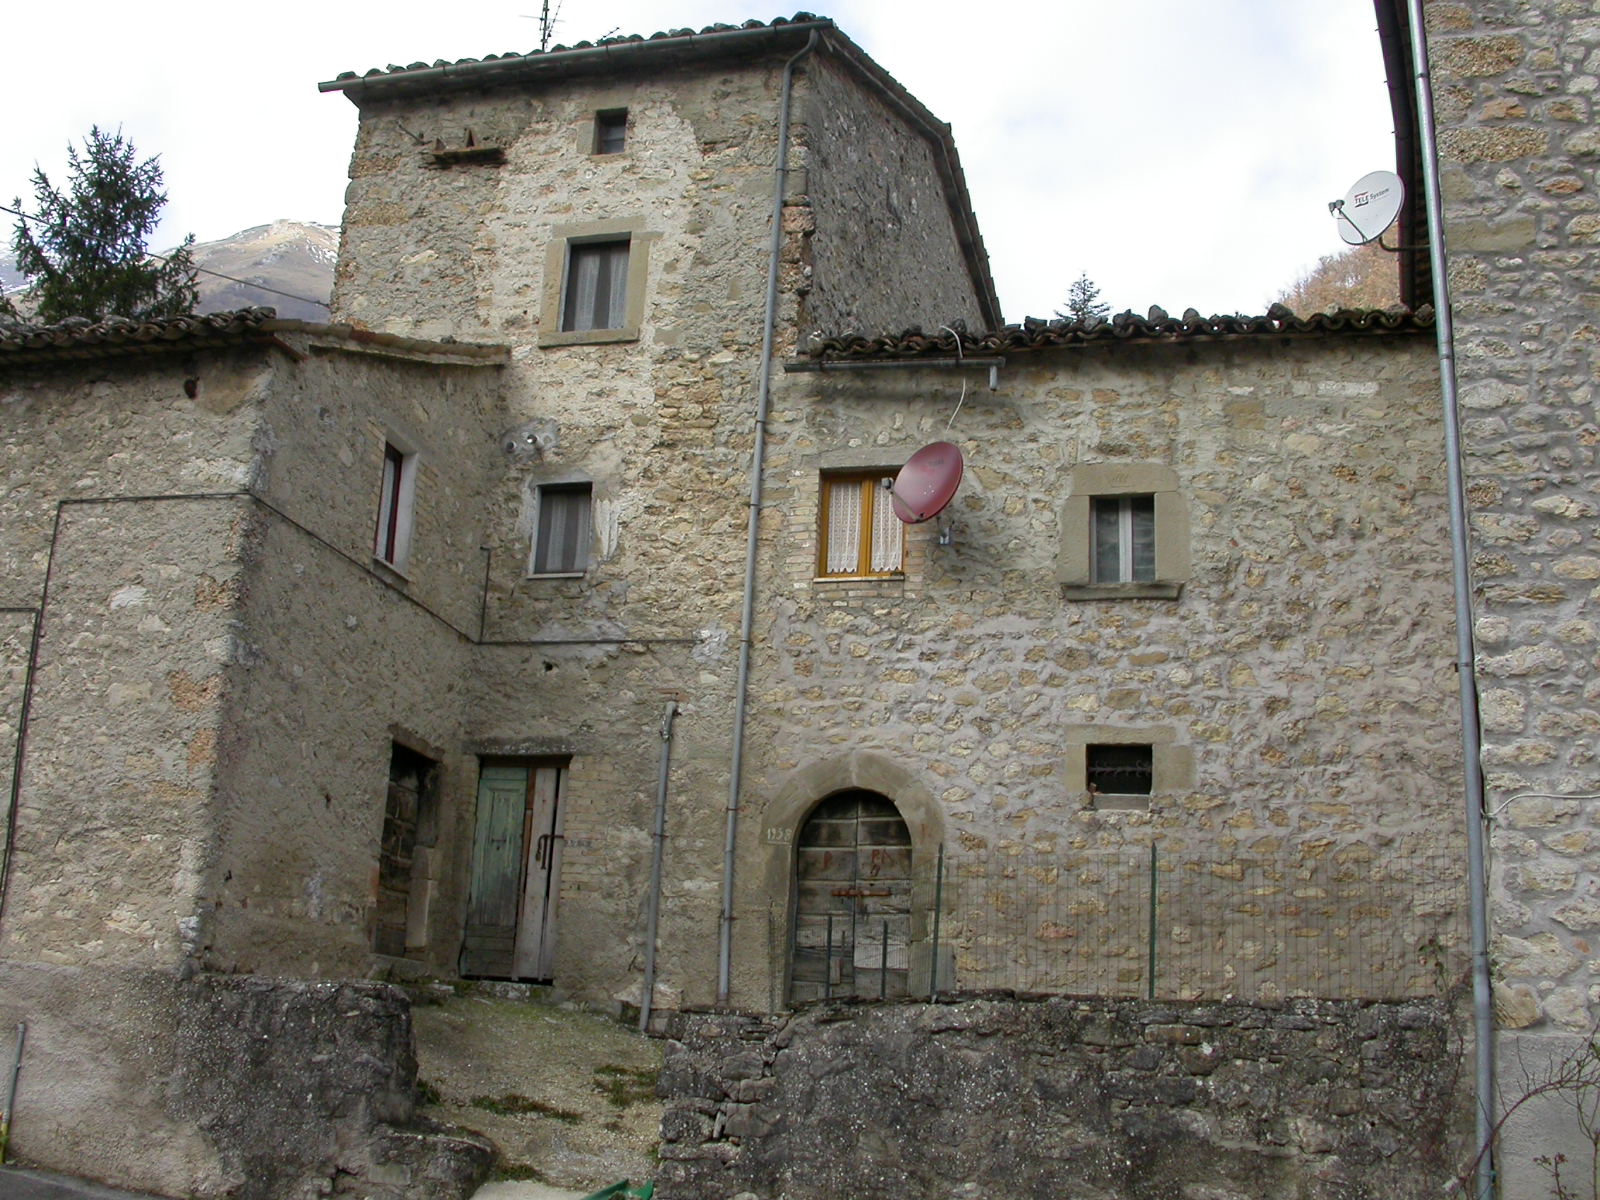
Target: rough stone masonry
point(1115, 1100)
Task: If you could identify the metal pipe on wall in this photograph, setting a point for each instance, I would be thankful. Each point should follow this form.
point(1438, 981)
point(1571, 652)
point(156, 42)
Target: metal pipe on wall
point(757, 465)
point(1466, 676)
point(653, 903)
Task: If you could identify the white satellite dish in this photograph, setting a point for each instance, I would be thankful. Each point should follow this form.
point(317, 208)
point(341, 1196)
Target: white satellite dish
point(1369, 207)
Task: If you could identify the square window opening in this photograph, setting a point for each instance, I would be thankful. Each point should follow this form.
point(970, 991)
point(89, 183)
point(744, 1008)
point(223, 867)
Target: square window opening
point(1123, 539)
point(596, 291)
point(859, 533)
point(611, 131)
point(392, 540)
point(1120, 770)
point(561, 543)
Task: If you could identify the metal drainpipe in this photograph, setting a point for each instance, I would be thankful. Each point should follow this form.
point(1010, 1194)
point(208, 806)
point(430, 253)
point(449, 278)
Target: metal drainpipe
point(758, 460)
point(653, 905)
point(1471, 739)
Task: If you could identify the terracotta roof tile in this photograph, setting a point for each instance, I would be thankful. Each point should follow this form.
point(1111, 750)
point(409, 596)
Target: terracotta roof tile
point(393, 69)
point(31, 346)
point(1157, 326)
point(79, 338)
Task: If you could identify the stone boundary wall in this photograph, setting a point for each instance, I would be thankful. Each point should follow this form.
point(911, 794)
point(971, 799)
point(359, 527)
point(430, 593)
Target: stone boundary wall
point(226, 1086)
point(1072, 1097)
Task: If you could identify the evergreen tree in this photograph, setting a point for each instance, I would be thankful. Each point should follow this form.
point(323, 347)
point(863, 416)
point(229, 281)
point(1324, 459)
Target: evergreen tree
point(1083, 301)
point(83, 250)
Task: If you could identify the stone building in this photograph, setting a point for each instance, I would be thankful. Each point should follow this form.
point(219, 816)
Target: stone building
point(369, 649)
point(1513, 94)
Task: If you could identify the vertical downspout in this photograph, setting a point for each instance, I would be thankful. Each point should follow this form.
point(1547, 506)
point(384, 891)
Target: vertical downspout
point(1466, 677)
point(757, 463)
point(653, 904)
point(21, 746)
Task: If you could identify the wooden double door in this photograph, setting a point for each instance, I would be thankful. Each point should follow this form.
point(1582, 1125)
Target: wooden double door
point(516, 872)
point(852, 902)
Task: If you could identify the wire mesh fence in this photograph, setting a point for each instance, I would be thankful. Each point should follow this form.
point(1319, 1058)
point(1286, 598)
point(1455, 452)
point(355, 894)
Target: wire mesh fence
point(1326, 921)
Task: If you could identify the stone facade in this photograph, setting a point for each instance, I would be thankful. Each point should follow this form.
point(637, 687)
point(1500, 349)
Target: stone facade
point(1513, 88)
point(205, 729)
point(232, 668)
point(1308, 643)
point(1063, 1097)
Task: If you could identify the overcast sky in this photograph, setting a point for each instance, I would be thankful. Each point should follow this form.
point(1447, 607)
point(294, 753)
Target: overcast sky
point(1182, 154)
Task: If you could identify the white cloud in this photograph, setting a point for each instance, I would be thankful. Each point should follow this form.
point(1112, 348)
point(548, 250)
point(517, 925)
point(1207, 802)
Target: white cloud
point(1182, 154)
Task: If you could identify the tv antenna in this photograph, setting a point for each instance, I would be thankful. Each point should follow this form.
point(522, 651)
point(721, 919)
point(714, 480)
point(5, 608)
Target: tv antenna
point(1364, 214)
point(547, 23)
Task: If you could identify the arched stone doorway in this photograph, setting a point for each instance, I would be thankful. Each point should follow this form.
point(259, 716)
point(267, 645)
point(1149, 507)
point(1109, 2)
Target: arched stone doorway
point(852, 905)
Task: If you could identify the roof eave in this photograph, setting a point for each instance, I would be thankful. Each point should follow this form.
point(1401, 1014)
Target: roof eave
point(606, 58)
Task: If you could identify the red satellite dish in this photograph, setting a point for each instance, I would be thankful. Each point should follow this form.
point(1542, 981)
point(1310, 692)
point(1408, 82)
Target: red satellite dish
point(927, 482)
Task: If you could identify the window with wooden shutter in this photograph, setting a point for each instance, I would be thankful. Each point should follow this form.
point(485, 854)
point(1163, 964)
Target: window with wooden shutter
point(859, 533)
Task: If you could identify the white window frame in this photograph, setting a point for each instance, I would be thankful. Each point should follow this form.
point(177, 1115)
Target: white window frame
point(585, 535)
point(397, 493)
point(1130, 515)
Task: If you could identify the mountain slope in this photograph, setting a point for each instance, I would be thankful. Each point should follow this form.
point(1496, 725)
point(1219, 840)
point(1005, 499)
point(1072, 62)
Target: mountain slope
point(291, 256)
point(296, 257)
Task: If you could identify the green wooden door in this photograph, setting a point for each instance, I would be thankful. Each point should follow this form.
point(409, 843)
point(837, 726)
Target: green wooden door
point(516, 868)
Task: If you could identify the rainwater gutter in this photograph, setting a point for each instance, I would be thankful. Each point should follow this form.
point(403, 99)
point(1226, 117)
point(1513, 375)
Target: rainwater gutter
point(652, 918)
point(757, 464)
point(1466, 676)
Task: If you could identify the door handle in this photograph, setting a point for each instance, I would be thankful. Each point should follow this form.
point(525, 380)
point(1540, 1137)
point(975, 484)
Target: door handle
point(540, 849)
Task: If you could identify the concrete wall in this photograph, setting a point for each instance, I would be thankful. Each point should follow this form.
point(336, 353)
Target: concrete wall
point(1514, 94)
point(1063, 1097)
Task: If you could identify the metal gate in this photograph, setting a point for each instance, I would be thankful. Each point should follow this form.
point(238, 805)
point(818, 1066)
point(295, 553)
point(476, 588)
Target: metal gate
point(852, 903)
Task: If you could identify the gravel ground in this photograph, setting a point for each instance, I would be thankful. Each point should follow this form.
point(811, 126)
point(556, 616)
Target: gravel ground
point(568, 1097)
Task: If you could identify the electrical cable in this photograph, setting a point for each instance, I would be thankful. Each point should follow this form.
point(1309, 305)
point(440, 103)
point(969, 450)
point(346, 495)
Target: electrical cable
point(260, 287)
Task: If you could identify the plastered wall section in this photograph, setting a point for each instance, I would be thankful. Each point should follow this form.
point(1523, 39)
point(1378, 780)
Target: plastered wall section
point(1304, 670)
point(114, 823)
point(883, 254)
point(112, 820)
point(340, 658)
